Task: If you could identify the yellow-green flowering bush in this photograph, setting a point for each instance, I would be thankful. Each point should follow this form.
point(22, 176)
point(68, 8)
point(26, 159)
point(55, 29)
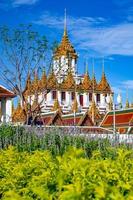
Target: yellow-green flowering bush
point(72, 176)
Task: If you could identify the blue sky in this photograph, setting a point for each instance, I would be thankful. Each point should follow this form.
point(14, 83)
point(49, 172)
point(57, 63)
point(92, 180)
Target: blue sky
point(97, 29)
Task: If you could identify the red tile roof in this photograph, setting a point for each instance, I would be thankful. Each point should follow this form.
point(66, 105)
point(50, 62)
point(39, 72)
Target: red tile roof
point(122, 118)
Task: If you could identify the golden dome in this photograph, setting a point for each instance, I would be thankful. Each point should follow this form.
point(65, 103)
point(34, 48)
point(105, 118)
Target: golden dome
point(86, 85)
point(52, 81)
point(56, 106)
point(69, 82)
point(75, 105)
point(103, 84)
point(65, 48)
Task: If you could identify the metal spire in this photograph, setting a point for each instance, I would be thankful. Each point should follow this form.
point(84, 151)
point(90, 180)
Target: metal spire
point(103, 65)
point(65, 22)
point(86, 66)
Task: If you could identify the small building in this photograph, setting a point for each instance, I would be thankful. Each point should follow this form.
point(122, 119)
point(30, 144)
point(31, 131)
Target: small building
point(123, 120)
point(6, 104)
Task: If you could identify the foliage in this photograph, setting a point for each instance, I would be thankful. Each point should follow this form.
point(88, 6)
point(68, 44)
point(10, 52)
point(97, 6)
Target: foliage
point(55, 140)
point(39, 175)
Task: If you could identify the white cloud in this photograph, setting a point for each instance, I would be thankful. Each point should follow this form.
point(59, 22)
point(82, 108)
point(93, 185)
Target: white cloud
point(93, 34)
point(117, 90)
point(23, 2)
point(128, 84)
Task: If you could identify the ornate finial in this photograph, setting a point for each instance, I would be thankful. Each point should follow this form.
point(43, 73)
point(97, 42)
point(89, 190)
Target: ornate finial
point(35, 83)
point(27, 90)
point(86, 85)
point(103, 84)
point(94, 111)
point(103, 65)
point(43, 81)
point(56, 106)
point(75, 105)
point(52, 81)
point(86, 66)
point(69, 81)
point(18, 114)
point(127, 104)
point(65, 23)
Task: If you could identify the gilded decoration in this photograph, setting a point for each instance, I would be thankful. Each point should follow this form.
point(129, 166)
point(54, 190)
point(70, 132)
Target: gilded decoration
point(35, 84)
point(69, 82)
point(43, 81)
point(86, 85)
point(127, 104)
point(27, 90)
point(35, 106)
point(52, 81)
point(65, 47)
point(94, 111)
point(104, 85)
point(18, 114)
point(56, 106)
point(94, 83)
point(75, 105)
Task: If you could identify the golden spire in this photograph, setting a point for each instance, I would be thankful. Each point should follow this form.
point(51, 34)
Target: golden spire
point(86, 85)
point(56, 106)
point(65, 23)
point(93, 81)
point(94, 111)
point(27, 90)
point(69, 82)
point(127, 104)
point(75, 105)
point(18, 114)
point(103, 84)
point(43, 81)
point(52, 81)
point(65, 47)
point(35, 83)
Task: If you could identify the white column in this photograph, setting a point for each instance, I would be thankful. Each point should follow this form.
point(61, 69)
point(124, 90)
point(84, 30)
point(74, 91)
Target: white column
point(59, 96)
point(86, 100)
point(49, 98)
point(77, 96)
point(68, 98)
point(102, 100)
point(73, 66)
point(8, 110)
point(95, 98)
point(3, 110)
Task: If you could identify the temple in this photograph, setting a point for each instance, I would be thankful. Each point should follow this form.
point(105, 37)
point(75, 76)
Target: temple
point(65, 90)
point(66, 86)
